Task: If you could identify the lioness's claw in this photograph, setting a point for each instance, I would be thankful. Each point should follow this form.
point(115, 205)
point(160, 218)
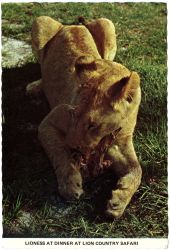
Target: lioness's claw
point(70, 194)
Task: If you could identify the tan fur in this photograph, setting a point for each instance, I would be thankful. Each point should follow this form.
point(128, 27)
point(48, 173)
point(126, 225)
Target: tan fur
point(104, 28)
point(90, 97)
point(43, 29)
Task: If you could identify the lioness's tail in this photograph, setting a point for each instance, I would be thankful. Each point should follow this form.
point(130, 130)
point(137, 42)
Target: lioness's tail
point(82, 20)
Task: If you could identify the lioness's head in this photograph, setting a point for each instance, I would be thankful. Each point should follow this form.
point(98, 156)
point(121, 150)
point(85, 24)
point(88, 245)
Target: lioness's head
point(108, 95)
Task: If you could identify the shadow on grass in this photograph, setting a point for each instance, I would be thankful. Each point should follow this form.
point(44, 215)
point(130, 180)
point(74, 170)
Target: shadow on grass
point(26, 169)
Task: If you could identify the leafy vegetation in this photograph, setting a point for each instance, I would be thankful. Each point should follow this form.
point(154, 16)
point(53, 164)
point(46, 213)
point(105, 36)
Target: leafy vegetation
point(29, 184)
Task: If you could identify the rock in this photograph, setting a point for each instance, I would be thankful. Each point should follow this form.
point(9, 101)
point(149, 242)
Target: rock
point(15, 53)
point(18, 226)
point(25, 219)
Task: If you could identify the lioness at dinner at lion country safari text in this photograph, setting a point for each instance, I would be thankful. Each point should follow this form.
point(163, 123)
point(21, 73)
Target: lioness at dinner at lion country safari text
point(93, 103)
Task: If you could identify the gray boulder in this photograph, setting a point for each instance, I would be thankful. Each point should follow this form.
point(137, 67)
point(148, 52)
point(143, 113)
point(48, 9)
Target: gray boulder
point(15, 53)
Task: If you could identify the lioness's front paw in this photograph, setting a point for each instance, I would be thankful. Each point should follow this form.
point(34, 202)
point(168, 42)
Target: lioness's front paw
point(117, 204)
point(70, 193)
point(126, 187)
point(71, 187)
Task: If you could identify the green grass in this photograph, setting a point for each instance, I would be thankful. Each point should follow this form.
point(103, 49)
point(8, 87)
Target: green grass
point(29, 183)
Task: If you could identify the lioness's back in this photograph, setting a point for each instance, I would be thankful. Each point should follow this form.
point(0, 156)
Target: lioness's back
point(58, 63)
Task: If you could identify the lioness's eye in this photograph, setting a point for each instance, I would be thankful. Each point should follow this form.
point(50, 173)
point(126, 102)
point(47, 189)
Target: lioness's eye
point(78, 184)
point(129, 99)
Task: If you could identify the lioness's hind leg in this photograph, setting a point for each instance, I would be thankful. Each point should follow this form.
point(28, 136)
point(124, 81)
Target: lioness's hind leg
point(34, 88)
point(43, 29)
point(103, 32)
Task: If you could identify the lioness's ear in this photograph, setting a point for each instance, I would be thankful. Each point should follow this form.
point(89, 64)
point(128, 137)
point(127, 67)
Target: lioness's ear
point(43, 29)
point(86, 62)
point(125, 88)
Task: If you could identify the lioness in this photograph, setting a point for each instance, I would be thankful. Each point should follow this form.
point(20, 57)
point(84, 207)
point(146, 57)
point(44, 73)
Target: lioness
point(90, 97)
